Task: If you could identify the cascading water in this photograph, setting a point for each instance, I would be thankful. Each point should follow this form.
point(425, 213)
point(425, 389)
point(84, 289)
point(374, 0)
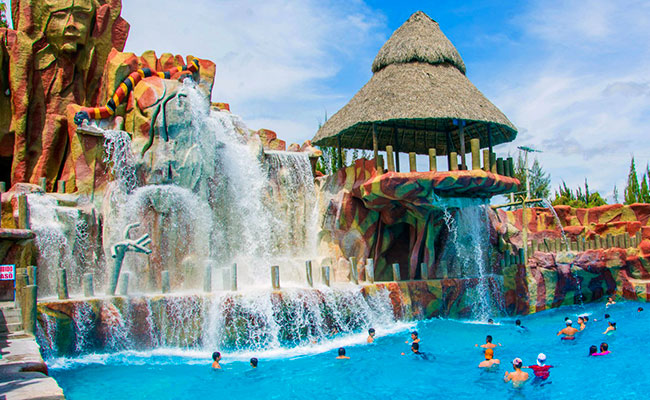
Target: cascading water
point(468, 249)
point(558, 223)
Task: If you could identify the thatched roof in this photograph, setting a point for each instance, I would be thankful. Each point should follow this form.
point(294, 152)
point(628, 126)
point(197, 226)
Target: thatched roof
point(418, 89)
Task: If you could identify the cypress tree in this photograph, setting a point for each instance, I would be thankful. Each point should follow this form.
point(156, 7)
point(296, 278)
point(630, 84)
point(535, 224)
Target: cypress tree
point(644, 194)
point(632, 190)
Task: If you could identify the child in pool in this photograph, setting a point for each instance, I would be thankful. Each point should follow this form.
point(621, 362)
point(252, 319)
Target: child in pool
point(414, 337)
point(216, 357)
point(541, 370)
point(371, 335)
point(593, 350)
point(611, 328)
point(342, 355)
point(604, 350)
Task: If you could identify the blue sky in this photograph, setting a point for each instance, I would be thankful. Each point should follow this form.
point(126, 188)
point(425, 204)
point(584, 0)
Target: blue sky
point(571, 75)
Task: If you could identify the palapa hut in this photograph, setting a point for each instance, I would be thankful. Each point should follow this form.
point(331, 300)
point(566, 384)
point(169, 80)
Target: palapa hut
point(417, 99)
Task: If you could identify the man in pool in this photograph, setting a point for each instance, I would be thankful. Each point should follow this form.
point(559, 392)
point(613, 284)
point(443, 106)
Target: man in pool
point(568, 332)
point(488, 343)
point(520, 327)
point(541, 370)
point(415, 350)
point(254, 362)
point(490, 363)
point(517, 377)
point(639, 309)
point(342, 355)
point(371, 335)
point(414, 337)
point(216, 357)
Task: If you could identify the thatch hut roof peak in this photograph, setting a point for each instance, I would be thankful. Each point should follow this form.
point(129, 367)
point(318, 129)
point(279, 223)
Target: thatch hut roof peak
point(419, 39)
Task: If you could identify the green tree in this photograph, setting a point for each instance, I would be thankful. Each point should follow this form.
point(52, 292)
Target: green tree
point(540, 181)
point(632, 190)
point(578, 199)
point(3, 16)
point(644, 192)
point(615, 195)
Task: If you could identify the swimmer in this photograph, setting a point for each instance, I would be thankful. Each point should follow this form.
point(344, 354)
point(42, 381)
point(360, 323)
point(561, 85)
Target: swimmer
point(254, 362)
point(604, 350)
point(593, 350)
point(371, 335)
point(610, 301)
point(568, 332)
point(216, 357)
point(520, 326)
point(415, 350)
point(639, 309)
point(611, 328)
point(490, 362)
point(342, 355)
point(488, 343)
point(414, 337)
point(490, 321)
point(541, 370)
point(517, 377)
point(581, 323)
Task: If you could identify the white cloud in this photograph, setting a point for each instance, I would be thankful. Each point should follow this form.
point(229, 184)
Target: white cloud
point(580, 92)
point(272, 57)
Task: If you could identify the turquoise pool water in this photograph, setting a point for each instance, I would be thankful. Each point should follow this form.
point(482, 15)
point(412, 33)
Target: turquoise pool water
point(378, 371)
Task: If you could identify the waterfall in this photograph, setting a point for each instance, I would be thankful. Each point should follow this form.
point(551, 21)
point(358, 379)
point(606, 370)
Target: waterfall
point(468, 252)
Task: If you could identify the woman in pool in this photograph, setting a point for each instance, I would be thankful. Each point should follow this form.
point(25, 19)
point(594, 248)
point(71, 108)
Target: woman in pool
point(604, 350)
point(611, 328)
point(593, 350)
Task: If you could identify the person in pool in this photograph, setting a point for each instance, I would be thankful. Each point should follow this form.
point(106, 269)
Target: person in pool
point(414, 338)
point(568, 332)
point(371, 335)
point(610, 301)
point(541, 370)
point(415, 350)
point(593, 350)
point(488, 343)
point(490, 363)
point(639, 309)
point(254, 362)
point(611, 328)
point(581, 323)
point(604, 350)
point(342, 355)
point(216, 357)
point(490, 321)
point(520, 326)
point(517, 377)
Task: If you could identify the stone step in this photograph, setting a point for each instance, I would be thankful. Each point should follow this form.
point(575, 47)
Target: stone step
point(10, 319)
point(11, 327)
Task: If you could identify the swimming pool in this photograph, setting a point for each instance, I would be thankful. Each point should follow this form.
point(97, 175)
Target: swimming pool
point(379, 371)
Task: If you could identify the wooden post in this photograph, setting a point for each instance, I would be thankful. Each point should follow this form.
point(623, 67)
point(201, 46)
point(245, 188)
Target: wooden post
point(42, 182)
point(639, 238)
point(89, 289)
point(275, 277)
point(433, 162)
point(493, 163)
point(424, 271)
point(396, 274)
point(489, 137)
point(390, 158)
point(23, 212)
point(61, 187)
point(164, 279)
point(609, 241)
point(522, 256)
point(325, 271)
point(500, 167)
point(308, 270)
point(207, 278)
point(354, 273)
point(475, 146)
point(412, 164)
point(461, 139)
point(375, 145)
point(486, 160)
point(626, 240)
point(511, 167)
point(123, 289)
point(370, 270)
point(28, 309)
point(443, 271)
point(62, 284)
point(339, 152)
point(453, 161)
point(396, 146)
point(380, 164)
point(574, 245)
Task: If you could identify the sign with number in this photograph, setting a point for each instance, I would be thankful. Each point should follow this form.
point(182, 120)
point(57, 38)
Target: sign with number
point(7, 272)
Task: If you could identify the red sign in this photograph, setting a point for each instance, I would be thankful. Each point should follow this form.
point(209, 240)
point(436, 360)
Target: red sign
point(7, 272)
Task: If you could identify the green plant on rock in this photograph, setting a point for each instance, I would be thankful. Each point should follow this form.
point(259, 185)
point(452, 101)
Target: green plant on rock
point(566, 196)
